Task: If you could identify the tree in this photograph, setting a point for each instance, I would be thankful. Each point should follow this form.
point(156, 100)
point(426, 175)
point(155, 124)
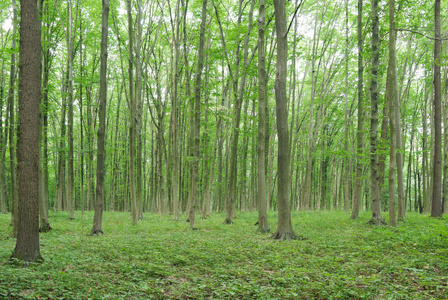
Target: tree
point(12, 127)
point(43, 131)
point(284, 227)
point(356, 203)
point(263, 225)
point(197, 121)
point(436, 208)
point(133, 122)
point(27, 245)
point(100, 168)
point(392, 94)
point(374, 182)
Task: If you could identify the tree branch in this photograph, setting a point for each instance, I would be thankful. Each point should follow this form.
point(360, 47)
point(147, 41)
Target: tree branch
point(417, 32)
point(293, 17)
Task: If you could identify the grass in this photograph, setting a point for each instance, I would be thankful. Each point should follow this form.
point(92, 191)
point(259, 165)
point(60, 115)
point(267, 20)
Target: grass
point(162, 259)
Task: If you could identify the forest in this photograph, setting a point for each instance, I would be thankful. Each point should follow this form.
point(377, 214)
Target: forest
point(244, 111)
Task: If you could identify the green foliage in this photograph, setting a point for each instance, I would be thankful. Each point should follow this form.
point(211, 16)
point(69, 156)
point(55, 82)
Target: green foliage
point(162, 259)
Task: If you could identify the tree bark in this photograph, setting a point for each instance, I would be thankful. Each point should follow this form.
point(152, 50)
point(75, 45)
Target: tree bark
point(357, 189)
point(374, 182)
point(27, 245)
point(197, 121)
point(101, 153)
point(263, 225)
point(392, 94)
point(133, 123)
point(436, 207)
point(284, 227)
point(12, 129)
point(70, 169)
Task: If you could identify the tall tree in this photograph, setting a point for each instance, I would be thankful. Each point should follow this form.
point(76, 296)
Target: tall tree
point(346, 167)
point(27, 245)
point(197, 121)
point(284, 226)
point(101, 153)
point(70, 158)
point(436, 208)
point(356, 203)
point(43, 130)
point(133, 119)
point(263, 225)
point(374, 182)
point(12, 129)
point(175, 117)
point(392, 94)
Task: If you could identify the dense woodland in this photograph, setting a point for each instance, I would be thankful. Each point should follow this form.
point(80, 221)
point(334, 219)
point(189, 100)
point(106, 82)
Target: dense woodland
point(185, 121)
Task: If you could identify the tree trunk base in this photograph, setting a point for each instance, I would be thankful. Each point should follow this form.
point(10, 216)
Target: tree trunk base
point(227, 222)
point(263, 230)
point(96, 232)
point(19, 259)
point(376, 222)
point(286, 236)
point(45, 228)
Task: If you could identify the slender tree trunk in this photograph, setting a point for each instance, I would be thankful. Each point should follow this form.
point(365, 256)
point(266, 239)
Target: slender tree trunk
point(392, 94)
point(346, 118)
point(263, 225)
point(70, 168)
point(12, 129)
point(3, 139)
point(139, 108)
point(426, 200)
point(174, 120)
point(133, 117)
point(357, 192)
point(445, 143)
point(436, 207)
point(101, 153)
point(43, 132)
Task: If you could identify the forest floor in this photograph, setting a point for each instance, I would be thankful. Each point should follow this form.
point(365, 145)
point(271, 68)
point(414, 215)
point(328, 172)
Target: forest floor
point(162, 259)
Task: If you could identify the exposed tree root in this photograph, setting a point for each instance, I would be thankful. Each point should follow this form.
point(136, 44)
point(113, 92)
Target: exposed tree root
point(227, 222)
point(287, 236)
point(96, 232)
point(45, 228)
point(263, 230)
point(376, 221)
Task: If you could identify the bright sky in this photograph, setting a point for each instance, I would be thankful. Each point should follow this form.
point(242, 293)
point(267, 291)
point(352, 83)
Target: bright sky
point(7, 25)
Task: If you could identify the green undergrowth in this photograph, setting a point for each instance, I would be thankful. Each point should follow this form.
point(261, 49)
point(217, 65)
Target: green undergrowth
point(162, 259)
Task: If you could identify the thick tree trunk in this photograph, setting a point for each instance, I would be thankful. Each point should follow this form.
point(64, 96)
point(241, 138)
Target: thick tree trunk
point(197, 120)
point(284, 227)
point(27, 245)
point(374, 182)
